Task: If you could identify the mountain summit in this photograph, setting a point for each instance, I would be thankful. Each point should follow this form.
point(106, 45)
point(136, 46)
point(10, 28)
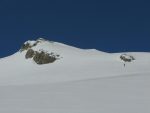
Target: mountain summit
point(43, 51)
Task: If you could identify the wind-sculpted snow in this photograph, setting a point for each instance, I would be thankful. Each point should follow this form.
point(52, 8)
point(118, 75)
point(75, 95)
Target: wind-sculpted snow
point(80, 81)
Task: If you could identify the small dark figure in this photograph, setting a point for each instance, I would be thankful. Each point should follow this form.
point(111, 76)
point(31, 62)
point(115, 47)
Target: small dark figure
point(124, 65)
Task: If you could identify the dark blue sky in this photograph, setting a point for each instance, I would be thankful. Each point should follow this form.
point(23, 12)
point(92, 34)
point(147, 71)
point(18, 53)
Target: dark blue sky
point(107, 25)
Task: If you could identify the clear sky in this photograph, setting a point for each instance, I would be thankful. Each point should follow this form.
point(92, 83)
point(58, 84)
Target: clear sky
point(107, 25)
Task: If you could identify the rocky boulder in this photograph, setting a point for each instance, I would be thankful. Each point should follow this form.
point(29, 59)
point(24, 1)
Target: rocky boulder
point(127, 58)
point(30, 53)
point(41, 57)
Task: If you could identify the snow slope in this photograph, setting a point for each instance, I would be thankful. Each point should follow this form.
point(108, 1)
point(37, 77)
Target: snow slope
point(81, 81)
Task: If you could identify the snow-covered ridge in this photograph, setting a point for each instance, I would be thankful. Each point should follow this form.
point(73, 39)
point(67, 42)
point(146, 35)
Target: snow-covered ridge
point(72, 64)
point(80, 81)
point(43, 44)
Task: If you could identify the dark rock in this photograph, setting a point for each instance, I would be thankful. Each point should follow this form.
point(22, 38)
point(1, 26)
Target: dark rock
point(30, 53)
point(43, 58)
point(127, 58)
point(40, 56)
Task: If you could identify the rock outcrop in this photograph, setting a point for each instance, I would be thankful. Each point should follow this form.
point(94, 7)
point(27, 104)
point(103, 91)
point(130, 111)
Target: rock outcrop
point(30, 53)
point(43, 58)
point(38, 55)
point(127, 58)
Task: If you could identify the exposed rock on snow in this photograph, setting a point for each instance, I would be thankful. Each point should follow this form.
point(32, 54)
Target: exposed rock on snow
point(30, 53)
point(40, 56)
point(44, 58)
point(127, 58)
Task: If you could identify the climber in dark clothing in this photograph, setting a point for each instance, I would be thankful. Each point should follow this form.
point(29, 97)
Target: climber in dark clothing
point(124, 65)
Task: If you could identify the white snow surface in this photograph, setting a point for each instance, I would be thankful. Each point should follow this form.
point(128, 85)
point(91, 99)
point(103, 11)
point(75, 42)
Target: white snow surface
point(80, 81)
